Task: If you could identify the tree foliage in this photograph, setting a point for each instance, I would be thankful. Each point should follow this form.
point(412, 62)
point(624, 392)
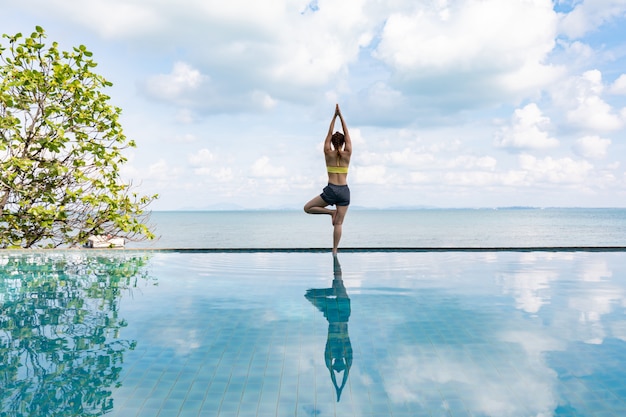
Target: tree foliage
point(61, 148)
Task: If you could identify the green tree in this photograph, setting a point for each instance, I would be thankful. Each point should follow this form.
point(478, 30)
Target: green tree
point(61, 147)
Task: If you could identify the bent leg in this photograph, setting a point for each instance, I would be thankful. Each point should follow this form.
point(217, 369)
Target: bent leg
point(318, 206)
point(338, 226)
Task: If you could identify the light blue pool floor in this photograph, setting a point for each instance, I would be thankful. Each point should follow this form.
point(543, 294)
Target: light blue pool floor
point(254, 334)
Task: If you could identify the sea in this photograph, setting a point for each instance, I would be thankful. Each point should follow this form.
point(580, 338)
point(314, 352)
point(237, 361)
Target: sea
point(390, 229)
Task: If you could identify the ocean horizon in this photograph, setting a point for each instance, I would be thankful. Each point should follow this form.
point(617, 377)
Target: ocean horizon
point(400, 227)
point(353, 207)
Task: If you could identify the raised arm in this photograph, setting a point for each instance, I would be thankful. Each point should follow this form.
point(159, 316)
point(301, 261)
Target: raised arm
point(348, 143)
point(329, 135)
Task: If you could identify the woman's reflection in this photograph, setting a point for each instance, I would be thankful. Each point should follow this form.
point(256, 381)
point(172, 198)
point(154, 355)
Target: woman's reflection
point(335, 304)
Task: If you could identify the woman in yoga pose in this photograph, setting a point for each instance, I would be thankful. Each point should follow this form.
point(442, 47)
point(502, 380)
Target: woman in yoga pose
point(337, 153)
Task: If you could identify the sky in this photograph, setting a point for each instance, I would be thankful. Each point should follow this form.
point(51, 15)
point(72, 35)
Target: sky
point(449, 103)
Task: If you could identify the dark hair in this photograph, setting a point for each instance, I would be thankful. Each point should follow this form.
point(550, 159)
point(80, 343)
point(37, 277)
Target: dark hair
point(338, 140)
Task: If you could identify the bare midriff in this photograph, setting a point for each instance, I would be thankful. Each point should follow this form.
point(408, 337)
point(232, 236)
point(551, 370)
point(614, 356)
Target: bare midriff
point(338, 179)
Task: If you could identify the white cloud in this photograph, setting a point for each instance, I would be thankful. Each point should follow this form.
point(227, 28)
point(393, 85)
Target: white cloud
point(471, 47)
point(162, 171)
point(580, 99)
point(251, 55)
point(407, 158)
point(274, 37)
point(186, 138)
point(184, 116)
point(222, 174)
point(469, 33)
point(588, 15)
point(526, 131)
point(590, 111)
point(619, 86)
point(263, 168)
point(264, 100)
point(593, 147)
point(470, 178)
point(256, 13)
point(202, 157)
point(373, 174)
point(487, 163)
point(173, 86)
point(257, 53)
point(111, 19)
point(559, 171)
point(578, 53)
point(194, 92)
point(418, 178)
point(341, 29)
point(379, 103)
point(204, 165)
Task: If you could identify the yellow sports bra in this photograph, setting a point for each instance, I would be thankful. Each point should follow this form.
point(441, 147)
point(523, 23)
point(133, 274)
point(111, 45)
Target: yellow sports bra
point(336, 170)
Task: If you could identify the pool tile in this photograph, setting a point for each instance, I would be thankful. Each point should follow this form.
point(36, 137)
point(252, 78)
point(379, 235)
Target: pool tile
point(178, 394)
point(188, 413)
point(267, 408)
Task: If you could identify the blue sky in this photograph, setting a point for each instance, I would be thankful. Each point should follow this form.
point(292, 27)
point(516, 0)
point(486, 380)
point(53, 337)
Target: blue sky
point(450, 103)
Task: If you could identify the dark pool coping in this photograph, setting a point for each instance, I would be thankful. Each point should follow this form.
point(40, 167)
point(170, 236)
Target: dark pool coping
point(341, 250)
point(393, 249)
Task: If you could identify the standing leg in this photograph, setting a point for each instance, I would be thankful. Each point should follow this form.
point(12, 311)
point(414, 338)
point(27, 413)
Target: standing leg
point(338, 223)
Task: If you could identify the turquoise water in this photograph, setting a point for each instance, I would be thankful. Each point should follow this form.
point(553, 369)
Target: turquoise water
point(434, 228)
point(137, 333)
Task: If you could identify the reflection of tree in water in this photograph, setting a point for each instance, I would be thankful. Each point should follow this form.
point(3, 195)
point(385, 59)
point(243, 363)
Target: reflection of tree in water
point(335, 304)
point(60, 352)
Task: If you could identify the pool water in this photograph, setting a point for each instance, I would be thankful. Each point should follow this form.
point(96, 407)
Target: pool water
point(125, 333)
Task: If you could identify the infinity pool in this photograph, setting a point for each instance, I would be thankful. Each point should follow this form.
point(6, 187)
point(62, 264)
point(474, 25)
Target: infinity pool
point(87, 333)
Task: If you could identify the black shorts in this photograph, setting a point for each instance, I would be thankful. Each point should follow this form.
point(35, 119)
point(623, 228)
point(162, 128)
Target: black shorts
point(338, 195)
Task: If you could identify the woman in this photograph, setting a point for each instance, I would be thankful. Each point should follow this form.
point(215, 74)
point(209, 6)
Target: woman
point(337, 153)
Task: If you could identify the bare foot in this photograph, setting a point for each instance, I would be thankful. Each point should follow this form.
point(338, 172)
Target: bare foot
point(333, 216)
